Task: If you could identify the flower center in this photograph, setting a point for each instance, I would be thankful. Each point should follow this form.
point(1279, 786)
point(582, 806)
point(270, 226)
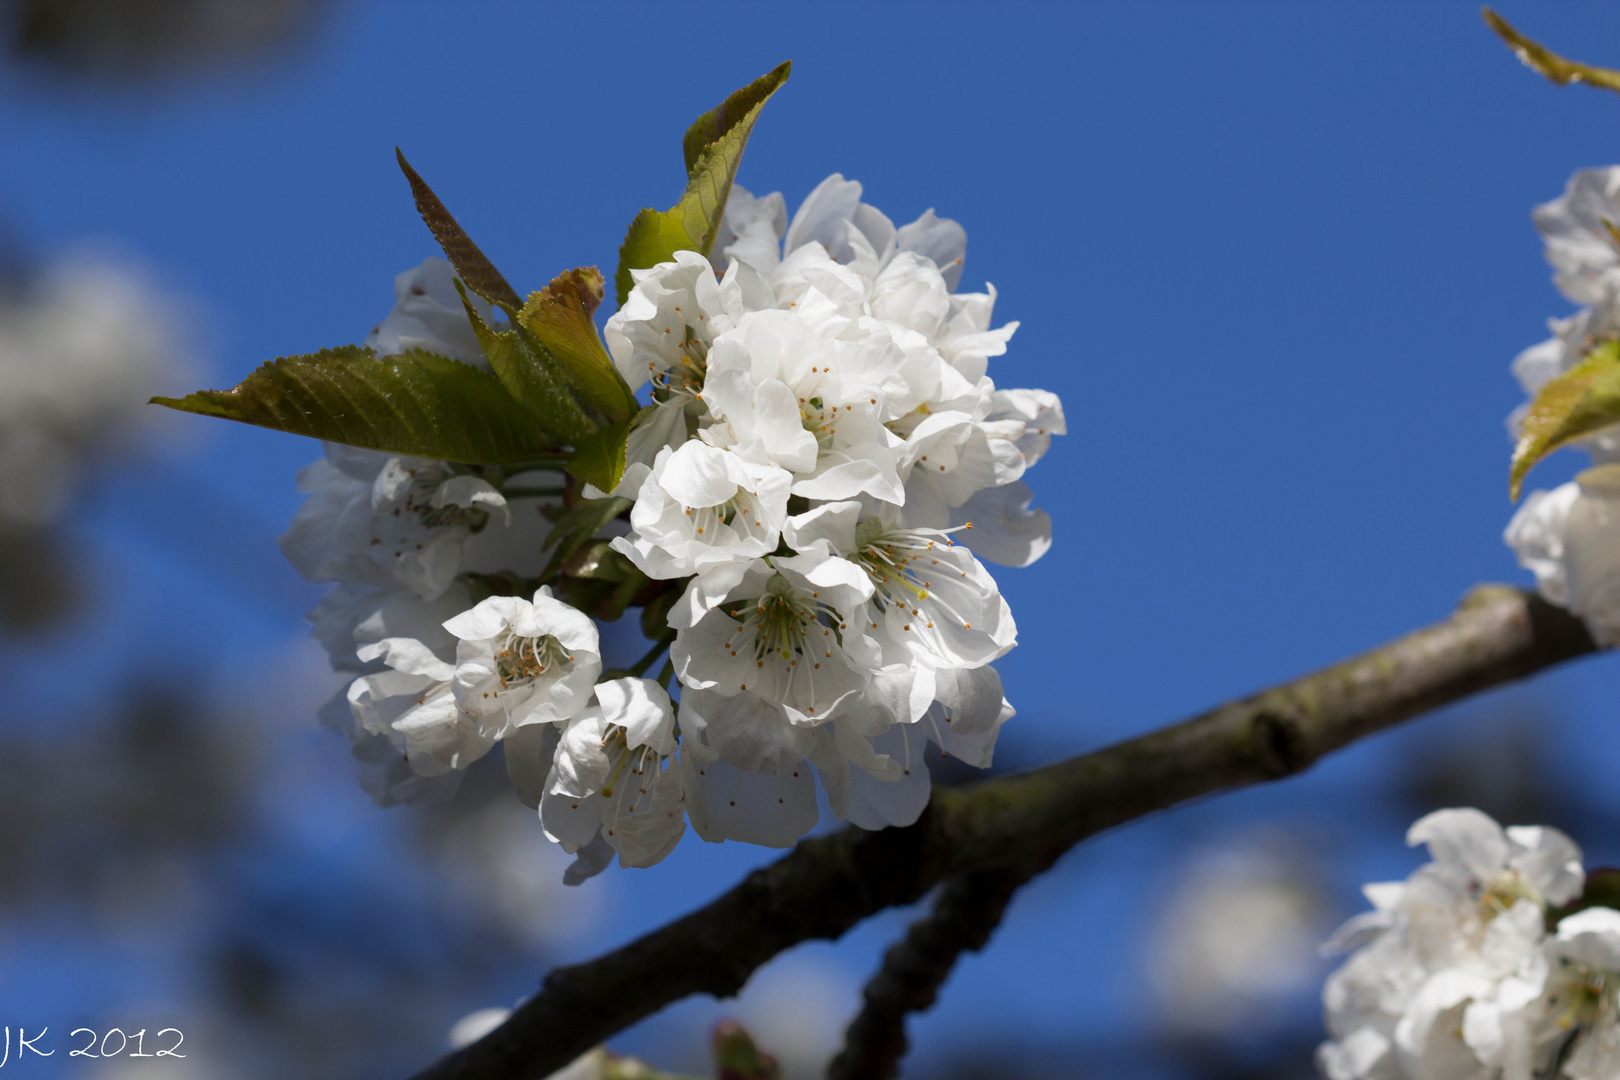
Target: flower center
point(706, 519)
point(1582, 995)
point(819, 419)
point(902, 564)
point(684, 378)
point(1508, 889)
point(521, 660)
point(621, 758)
point(781, 619)
point(785, 626)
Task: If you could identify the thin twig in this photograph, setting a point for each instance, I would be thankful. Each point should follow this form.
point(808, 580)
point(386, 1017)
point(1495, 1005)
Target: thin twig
point(1020, 823)
point(965, 914)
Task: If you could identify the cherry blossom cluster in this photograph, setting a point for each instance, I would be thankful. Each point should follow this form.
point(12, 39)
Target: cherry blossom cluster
point(821, 466)
point(1569, 537)
point(1469, 969)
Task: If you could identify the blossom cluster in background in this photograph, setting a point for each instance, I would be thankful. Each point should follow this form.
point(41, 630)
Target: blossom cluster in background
point(84, 340)
point(825, 463)
point(1469, 969)
point(1569, 537)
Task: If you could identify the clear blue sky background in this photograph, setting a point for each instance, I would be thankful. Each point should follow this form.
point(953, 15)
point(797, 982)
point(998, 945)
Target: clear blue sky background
point(1275, 258)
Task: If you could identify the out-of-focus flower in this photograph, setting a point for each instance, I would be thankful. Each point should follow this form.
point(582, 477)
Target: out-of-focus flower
point(428, 314)
point(1448, 962)
point(83, 345)
point(387, 521)
point(1570, 539)
point(1577, 227)
point(1235, 938)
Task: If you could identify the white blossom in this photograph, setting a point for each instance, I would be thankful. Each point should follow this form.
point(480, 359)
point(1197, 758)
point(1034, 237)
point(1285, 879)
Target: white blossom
point(662, 335)
point(927, 595)
point(768, 800)
point(1578, 1018)
point(782, 635)
point(614, 777)
point(379, 520)
point(428, 314)
point(1570, 539)
point(524, 662)
point(518, 663)
point(782, 394)
point(823, 362)
point(1449, 959)
point(1576, 229)
point(701, 507)
point(877, 310)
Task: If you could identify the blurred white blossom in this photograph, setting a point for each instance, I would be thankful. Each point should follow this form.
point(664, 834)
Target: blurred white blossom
point(83, 344)
point(1449, 973)
point(1570, 537)
point(1236, 937)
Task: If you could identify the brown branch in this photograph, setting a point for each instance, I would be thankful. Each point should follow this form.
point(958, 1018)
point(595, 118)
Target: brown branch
point(1020, 824)
point(965, 914)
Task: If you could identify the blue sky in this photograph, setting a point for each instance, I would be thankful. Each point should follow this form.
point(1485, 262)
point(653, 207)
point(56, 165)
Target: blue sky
point(1275, 258)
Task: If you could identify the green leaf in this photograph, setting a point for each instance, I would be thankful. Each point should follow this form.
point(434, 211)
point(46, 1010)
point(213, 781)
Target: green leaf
point(532, 379)
point(713, 125)
point(1556, 68)
point(416, 403)
point(654, 237)
point(1582, 400)
point(599, 458)
point(472, 264)
point(559, 316)
point(714, 147)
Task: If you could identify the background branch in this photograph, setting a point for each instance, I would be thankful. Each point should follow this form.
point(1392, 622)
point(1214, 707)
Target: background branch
point(1020, 825)
point(965, 914)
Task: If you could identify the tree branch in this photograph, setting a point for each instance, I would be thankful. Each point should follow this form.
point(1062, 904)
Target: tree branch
point(1020, 824)
point(965, 915)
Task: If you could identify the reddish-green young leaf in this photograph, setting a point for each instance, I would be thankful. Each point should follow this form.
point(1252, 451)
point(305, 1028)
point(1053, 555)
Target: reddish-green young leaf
point(416, 403)
point(559, 317)
point(532, 378)
point(471, 263)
